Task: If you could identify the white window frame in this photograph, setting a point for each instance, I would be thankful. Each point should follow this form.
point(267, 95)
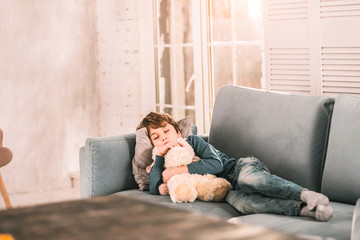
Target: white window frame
point(148, 70)
point(209, 43)
point(203, 64)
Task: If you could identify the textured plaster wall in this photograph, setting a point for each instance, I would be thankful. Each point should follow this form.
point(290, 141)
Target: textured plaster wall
point(69, 70)
point(119, 66)
point(49, 101)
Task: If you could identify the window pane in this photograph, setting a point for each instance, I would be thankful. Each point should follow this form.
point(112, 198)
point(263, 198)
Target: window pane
point(165, 110)
point(221, 20)
point(178, 114)
point(164, 80)
point(184, 71)
point(248, 66)
point(223, 73)
point(164, 20)
point(248, 21)
point(183, 21)
point(181, 113)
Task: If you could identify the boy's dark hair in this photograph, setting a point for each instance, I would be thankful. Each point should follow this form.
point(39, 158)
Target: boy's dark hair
point(156, 120)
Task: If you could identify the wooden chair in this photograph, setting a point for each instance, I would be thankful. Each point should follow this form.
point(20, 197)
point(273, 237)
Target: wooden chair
point(5, 158)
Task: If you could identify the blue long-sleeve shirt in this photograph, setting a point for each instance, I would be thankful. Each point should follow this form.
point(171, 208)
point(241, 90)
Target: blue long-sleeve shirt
point(212, 162)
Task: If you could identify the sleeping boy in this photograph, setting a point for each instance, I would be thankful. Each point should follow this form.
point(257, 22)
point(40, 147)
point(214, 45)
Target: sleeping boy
point(255, 189)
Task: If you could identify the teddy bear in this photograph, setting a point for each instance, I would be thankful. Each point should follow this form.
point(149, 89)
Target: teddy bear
point(187, 187)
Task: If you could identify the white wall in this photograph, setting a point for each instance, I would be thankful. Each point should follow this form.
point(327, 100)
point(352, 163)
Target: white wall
point(68, 70)
point(119, 66)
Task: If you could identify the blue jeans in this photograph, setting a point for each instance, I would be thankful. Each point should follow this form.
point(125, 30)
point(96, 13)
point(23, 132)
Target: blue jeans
point(256, 190)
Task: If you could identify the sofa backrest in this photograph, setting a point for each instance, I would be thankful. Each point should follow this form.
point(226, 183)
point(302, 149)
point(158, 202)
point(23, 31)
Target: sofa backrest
point(341, 180)
point(287, 132)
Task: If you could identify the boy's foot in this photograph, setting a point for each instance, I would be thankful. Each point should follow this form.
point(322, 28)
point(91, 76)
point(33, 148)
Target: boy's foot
point(313, 199)
point(321, 214)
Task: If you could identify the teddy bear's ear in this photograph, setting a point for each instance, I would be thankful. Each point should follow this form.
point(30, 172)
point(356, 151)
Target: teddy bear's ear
point(178, 156)
point(186, 145)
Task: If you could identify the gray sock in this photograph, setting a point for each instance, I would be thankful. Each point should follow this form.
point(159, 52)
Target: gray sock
point(313, 199)
point(322, 213)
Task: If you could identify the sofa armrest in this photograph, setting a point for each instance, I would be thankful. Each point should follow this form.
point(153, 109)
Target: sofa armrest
point(355, 229)
point(105, 165)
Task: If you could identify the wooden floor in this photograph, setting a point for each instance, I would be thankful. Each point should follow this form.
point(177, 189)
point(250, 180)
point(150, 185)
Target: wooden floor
point(36, 198)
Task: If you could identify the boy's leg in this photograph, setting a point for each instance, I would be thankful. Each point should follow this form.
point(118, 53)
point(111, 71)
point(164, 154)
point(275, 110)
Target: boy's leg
point(253, 176)
point(250, 203)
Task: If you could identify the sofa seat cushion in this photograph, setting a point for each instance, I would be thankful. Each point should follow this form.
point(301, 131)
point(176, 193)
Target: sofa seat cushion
point(222, 209)
point(338, 227)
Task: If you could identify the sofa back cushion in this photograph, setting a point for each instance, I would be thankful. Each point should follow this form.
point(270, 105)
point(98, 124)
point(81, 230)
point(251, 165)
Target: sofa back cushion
point(341, 180)
point(287, 132)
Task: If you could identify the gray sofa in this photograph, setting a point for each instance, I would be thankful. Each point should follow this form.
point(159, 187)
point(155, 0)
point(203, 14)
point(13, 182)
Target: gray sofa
point(311, 140)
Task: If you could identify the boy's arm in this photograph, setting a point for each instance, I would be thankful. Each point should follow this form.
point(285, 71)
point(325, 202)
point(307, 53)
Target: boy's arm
point(210, 162)
point(155, 179)
point(169, 172)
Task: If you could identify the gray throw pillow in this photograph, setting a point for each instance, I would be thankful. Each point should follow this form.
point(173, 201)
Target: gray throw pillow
point(143, 152)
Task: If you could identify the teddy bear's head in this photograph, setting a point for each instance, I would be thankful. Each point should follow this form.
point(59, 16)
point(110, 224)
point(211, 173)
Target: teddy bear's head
point(178, 156)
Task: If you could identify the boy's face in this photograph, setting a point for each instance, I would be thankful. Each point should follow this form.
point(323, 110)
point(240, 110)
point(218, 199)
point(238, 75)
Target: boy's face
point(163, 135)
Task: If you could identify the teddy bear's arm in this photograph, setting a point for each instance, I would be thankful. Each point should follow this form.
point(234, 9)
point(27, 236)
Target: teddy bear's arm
point(163, 189)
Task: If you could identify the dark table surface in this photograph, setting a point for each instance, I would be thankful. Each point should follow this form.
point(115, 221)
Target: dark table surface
point(119, 217)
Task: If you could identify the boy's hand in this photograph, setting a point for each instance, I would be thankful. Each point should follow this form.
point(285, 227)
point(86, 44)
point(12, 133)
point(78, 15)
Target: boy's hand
point(161, 151)
point(148, 168)
point(169, 172)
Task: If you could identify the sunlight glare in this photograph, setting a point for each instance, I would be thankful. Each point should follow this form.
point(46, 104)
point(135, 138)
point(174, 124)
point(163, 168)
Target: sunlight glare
point(254, 7)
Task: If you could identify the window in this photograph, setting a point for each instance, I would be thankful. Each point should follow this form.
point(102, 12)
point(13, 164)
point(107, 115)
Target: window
point(294, 46)
point(174, 56)
point(200, 46)
point(235, 44)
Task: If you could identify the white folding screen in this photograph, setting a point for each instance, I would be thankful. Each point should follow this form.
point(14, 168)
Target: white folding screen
point(340, 46)
point(312, 47)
